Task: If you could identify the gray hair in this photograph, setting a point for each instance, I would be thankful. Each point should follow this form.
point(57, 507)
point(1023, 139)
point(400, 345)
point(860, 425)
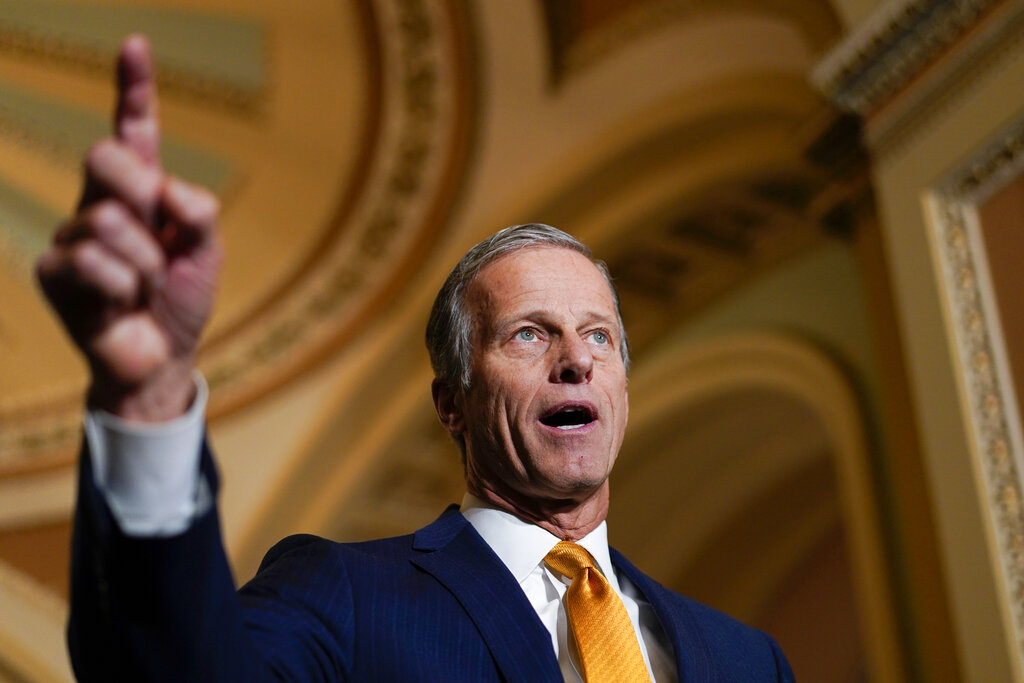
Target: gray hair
point(449, 329)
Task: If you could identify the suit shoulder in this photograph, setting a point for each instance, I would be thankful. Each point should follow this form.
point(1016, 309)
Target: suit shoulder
point(392, 549)
point(311, 548)
point(751, 653)
point(714, 618)
point(724, 644)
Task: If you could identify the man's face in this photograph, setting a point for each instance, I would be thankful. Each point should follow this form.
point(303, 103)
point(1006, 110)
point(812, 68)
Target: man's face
point(546, 411)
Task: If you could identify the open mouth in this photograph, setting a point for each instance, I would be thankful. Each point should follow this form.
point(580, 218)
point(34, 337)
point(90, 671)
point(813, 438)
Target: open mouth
point(569, 417)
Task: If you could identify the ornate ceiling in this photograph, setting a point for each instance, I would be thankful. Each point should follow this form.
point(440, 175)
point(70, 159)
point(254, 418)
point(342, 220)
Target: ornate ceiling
point(336, 134)
point(339, 137)
point(359, 147)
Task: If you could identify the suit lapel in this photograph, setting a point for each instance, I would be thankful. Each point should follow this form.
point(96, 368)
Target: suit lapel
point(454, 554)
point(692, 652)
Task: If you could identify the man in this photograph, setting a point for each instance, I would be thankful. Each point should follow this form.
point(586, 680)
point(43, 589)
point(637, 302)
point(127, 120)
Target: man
point(517, 584)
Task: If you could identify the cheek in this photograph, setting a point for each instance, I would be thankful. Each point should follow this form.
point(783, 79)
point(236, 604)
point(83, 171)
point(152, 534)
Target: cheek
point(492, 406)
point(510, 405)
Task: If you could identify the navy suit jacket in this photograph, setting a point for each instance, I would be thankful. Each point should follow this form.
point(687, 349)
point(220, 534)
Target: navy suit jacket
point(436, 605)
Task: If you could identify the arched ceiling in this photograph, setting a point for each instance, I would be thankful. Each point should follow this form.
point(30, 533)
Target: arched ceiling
point(359, 148)
point(582, 32)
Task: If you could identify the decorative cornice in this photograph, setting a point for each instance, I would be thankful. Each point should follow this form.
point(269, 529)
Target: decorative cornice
point(984, 373)
point(894, 45)
point(991, 168)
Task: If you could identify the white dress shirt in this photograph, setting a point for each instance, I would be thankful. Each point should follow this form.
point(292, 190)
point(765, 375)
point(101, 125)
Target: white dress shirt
point(521, 546)
point(149, 476)
point(149, 472)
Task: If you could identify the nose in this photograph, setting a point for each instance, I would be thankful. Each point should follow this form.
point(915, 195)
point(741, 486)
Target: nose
point(575, 364)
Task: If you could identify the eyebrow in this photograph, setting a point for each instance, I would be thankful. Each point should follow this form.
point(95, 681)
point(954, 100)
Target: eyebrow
point(541, 316)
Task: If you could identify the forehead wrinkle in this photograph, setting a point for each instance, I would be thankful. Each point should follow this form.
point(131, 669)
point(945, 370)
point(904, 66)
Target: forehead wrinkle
point(492, 312)
point(550, 317)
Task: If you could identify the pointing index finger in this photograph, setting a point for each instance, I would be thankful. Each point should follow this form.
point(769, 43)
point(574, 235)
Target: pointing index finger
point(136, 122)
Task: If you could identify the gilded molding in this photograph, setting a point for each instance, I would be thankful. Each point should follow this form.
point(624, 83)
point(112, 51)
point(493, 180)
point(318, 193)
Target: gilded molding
point(984, 374)
point(405, 177)
point(967, 70)
point(883, 54)
point(990, 170)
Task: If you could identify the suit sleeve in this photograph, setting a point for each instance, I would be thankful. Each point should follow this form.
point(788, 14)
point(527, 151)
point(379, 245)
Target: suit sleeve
point(154, 609)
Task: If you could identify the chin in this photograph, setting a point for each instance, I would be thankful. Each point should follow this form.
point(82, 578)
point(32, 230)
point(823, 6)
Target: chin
point(576, 483)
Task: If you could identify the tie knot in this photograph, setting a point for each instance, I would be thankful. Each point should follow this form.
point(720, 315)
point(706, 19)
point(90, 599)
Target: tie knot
point(569, 559)
point(606, 642)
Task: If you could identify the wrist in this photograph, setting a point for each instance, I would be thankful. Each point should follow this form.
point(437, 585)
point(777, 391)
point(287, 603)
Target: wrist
point(165, 395)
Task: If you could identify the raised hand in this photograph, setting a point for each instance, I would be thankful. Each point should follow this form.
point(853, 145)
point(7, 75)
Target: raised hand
point(133, 273)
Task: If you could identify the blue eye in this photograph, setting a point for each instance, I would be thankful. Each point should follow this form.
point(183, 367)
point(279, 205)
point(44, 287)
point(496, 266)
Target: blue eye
point(599, 337)
point(526, 334)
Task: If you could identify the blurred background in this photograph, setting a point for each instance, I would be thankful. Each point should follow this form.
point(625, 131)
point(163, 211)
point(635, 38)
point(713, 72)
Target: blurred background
point(812, 209)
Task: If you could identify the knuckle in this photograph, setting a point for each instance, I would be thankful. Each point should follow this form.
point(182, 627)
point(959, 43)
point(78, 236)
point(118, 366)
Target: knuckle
point(119, 170)
point(206, 209)
point(95, 270)
point(149, 182)
point(193, 205)
point(99, 152)
point(106, 217)
point(149, 259)
point(116, 228)
point(84, 257)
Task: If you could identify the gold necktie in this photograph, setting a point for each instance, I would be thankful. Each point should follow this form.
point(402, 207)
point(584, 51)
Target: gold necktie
point(604, 635)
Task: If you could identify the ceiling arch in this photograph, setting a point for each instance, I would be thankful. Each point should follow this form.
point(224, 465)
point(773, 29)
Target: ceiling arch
point(408, 129)
point(800, 461)
point(719, 141)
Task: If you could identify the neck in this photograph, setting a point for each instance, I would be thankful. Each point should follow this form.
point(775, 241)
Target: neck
point(567, 518)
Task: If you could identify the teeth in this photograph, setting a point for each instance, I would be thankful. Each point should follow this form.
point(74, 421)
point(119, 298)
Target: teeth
point(571, 418)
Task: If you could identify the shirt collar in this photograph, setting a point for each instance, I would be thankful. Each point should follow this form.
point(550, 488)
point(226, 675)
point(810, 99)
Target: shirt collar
point(521, 546)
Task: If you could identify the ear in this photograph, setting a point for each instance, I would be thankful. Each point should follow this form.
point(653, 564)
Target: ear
point(448, 404)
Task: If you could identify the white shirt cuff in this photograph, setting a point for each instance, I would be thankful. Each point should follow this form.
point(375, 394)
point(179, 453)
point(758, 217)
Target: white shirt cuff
point(149, 472)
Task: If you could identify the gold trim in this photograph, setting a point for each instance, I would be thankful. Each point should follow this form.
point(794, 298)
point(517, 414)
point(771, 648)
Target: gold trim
point(889, 49)
point(988, 393)
point(405, 200)
point(996, 37)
